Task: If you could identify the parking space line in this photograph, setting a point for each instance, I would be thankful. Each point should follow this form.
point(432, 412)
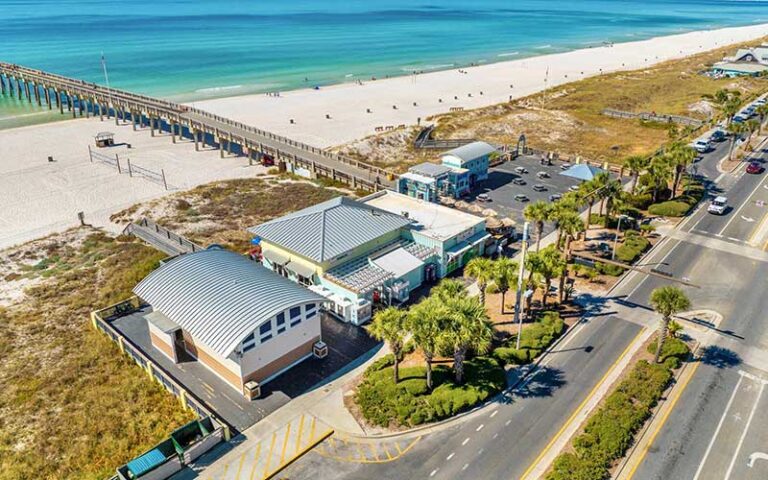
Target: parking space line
point(719, 426)
point(256, 457)
point(744, 433)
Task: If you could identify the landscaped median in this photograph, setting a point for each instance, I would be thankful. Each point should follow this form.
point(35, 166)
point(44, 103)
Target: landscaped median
point(610, 430)
point(454, 346)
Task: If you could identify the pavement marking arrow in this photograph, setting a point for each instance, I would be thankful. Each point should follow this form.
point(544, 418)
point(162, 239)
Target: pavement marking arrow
point(747, 219)
point(753, 457)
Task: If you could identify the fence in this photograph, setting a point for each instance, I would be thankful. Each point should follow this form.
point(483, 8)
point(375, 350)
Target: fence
point(130, 168)
point(653, 117)
point(101, 321)
point(160, 236)
point(424, 140)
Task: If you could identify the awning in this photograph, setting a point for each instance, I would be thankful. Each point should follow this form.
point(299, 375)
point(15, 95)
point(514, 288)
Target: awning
point(299, 269)
point(467, 244)
point(275, 258)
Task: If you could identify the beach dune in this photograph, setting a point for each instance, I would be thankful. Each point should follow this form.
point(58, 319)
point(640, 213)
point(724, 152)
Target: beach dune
point(339, 114)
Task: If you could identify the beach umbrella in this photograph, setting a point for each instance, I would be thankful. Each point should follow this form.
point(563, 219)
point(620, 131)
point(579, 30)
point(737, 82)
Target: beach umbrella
point(493, 223)
point(448, 200)
point(582, 171)
point(475, 208)
point(508, 222)
point(489, 212)
point(461, 204)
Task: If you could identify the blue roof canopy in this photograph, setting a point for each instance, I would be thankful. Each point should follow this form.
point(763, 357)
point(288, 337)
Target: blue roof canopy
point(582, 172)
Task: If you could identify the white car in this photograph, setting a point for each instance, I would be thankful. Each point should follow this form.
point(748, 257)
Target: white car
point(701, 145)
point(718, 206)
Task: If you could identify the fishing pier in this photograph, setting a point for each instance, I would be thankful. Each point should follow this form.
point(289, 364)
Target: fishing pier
point(87, 99)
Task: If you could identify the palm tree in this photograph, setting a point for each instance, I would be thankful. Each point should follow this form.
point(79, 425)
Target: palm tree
point(636, 164)
point(762, 112)
point(751, 126)
point(538, 213)
point(660, 171)
point(481, 269)
point(468, 329)
point(504, 275)
point(667, 301)
point(571, 225)
point(389, 326)
point(449, 288)
point(426, 321)
point(548, 263)
point(680, 156)
point(736, 130)
point(559, 211)
point(586, 193)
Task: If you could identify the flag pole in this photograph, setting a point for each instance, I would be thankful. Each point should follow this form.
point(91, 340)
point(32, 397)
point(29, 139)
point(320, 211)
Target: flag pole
point(106, 79)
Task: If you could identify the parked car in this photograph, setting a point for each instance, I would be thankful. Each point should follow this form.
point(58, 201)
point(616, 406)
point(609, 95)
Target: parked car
point(718, 206)
point(565, 166)
point(520, 170)
point(518, 181)
point(701, 145)
point(738, 119)
point(483, 197)
point(520, 197)
point(717, 136)
point(573, 188)
point(539, 188)
point(755, 167)
point(542, 175)
point(555, 197)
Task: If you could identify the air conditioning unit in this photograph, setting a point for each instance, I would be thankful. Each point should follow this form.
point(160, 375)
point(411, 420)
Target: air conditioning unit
point(400, 291)
point(252, 390)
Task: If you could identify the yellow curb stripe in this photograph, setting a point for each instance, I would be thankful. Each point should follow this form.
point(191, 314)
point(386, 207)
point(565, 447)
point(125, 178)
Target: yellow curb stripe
point(240, 467)
point(672, 404)
point(256, 457)
point(578, 409)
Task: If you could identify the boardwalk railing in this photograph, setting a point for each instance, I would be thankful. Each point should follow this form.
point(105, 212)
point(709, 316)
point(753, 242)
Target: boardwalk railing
point(424, 140)
point(653, 117)
point(161, 238)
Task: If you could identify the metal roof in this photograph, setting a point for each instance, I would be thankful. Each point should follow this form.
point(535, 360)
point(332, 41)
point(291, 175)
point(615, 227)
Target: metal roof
point(219, 296)
point(582, 171)
point(430, 169)
point(326, 230)
point(471, 151)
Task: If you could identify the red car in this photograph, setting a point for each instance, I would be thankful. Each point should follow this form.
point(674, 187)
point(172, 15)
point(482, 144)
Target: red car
point(755, 167)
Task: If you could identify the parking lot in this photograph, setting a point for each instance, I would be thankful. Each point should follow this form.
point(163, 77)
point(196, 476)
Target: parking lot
point(501, 189)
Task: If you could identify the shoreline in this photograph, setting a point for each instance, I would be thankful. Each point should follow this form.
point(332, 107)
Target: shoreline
point(404, 100)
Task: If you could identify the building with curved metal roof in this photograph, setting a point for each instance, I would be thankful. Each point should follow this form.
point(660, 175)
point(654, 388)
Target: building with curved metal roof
point(240, 319)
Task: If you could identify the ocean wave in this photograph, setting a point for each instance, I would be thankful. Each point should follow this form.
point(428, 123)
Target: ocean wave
point(218, 89)
point(428, 67)
point(509, 54)
point(541, 47)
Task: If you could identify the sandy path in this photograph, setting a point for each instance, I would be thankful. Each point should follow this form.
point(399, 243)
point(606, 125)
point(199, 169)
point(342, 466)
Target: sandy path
point(487, 85)
point(38, 197)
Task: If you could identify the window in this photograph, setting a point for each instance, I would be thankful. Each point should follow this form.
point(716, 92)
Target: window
point(264, 339)
point(306, 281)
point(281, 318)
point(250, 346)
point(295, 312)
point(311, 314)
point(310, 308)
point(265, 328)
point(295, 322)
point(249, 338)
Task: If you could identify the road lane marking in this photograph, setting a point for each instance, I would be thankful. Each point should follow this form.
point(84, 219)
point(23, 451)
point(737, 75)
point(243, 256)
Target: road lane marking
point(506, 424)
point(466, 440)
point(464, 467)
point(743, 204)
point(493, 414)
point(744, 433)
point(480, 427)
point(450, 456)
point(434, 472)
point(495, 436)
point(719, 426)
point(575, 413)
point(480, 452)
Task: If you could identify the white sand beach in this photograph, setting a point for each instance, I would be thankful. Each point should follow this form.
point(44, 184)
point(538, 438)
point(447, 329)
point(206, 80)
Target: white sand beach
point(38, 197)
point(418, 96)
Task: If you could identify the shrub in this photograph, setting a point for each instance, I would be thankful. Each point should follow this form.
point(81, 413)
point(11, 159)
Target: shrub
point(673, 348)
point(632, 247)
point(647, 228)
point(409, 402)
point(609, 269)
point(640, 201)
point(534, 340)
point(512, 356)
point(671, 208)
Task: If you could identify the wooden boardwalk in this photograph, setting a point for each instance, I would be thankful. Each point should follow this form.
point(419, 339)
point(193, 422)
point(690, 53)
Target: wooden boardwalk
point(204, 128)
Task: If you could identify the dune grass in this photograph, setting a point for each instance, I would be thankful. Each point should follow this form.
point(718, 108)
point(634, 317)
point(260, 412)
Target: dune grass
point(72, 405)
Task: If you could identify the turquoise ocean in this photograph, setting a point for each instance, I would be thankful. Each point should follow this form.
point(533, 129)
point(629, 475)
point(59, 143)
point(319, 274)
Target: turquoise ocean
point(187, 50)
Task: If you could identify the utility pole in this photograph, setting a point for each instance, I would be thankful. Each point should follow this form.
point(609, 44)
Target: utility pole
point(519, 294)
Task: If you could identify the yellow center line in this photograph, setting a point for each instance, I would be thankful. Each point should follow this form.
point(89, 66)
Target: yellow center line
point(578, 409)
point(672, 404)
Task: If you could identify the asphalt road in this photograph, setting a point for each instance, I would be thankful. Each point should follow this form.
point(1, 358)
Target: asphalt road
point(719, 424)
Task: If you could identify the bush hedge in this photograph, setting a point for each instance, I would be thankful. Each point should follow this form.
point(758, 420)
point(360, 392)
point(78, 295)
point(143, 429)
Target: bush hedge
point(673, 348)
point(670, 208)
point(534, 340)
point(410, 403)
point(632, 247)
point(609, 269)
point(610, 431)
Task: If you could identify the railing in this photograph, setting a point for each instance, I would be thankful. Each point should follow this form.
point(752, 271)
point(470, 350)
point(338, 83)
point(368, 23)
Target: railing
point(653, 117)
point(168, 234)
point(424, 140)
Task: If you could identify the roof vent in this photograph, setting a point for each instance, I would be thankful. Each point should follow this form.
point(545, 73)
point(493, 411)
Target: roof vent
point(405, 214)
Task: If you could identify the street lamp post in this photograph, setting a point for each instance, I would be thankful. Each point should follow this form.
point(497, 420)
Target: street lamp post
point(616, 237)
point(519, 294)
